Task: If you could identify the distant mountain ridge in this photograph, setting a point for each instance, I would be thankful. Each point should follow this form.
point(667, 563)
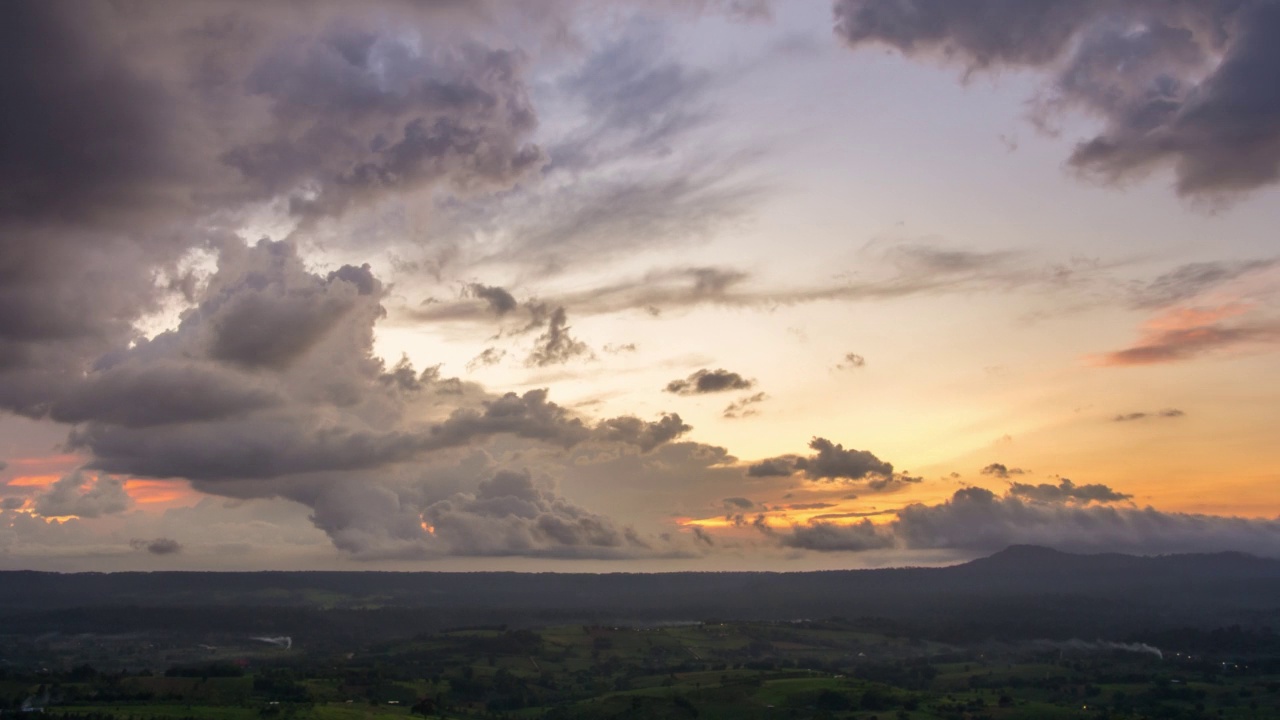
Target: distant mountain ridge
point(1042, 586)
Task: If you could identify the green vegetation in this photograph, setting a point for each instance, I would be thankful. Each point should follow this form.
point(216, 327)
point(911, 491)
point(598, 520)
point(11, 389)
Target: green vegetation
point(713, 670)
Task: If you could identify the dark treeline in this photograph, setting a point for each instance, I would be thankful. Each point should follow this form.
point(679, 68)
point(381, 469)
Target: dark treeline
point(1020, 592)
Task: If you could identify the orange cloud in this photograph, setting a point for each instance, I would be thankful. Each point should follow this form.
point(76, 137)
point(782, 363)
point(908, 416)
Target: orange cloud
point(37, 481)
point(153, 492)
point(47, 461)
point(1182, 333)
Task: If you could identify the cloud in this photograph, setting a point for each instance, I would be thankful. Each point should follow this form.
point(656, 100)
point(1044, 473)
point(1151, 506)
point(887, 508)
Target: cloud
point(833, 462)
point(556, 346)
point(1067, 492)
point(644, 435)
point(1189, 281)
point(83, 495)
point(500, 301)
point(1178, 85)
point(509, 515)
point(1166, 413)
point(740, 503)
point(906, 269)
point(158, 546)
point(707, 381)
point(829, 537)
point(487, 357)
point(316, 113)
point(1001, 471)
point(784, 466)
point(851, 361)
point(1184, 333)
point(978, 520)
point(743, 408)
point(12, 503)
point(639, 161)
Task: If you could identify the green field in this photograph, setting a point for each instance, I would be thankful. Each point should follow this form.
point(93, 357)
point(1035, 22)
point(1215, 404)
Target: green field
point(734, 671)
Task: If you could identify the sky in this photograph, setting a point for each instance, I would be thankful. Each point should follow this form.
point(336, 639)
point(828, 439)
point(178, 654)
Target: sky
point(636, 286)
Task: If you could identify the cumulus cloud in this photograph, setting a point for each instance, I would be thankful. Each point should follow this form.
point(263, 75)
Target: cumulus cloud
point(707, 381)
point(1065, 517)
point(1067, 491)
point(828, 537)
point(1178, 85)
point(832, 462)
point(157, 546)
point(1000, 470)
point(509, 515)
point(83, 495)
point(642, 434)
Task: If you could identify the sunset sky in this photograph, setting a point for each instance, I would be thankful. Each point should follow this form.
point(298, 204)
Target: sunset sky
point(602, 286)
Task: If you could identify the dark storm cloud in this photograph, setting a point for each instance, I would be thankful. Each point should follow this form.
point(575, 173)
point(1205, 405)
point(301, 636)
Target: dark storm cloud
point(200, 112)
point(1000, 470)
point(707, 381)
point(1181, 84)
point(556, 346)
point(357, 116)
point(12, 503)
point(1166, 413)
point(83, 495)
point(157, 546)
point(161, 393)
point(56, 65)
point(743, 408)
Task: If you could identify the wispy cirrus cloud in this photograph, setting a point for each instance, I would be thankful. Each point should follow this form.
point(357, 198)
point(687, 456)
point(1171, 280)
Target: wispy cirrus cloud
point(1183, 333)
